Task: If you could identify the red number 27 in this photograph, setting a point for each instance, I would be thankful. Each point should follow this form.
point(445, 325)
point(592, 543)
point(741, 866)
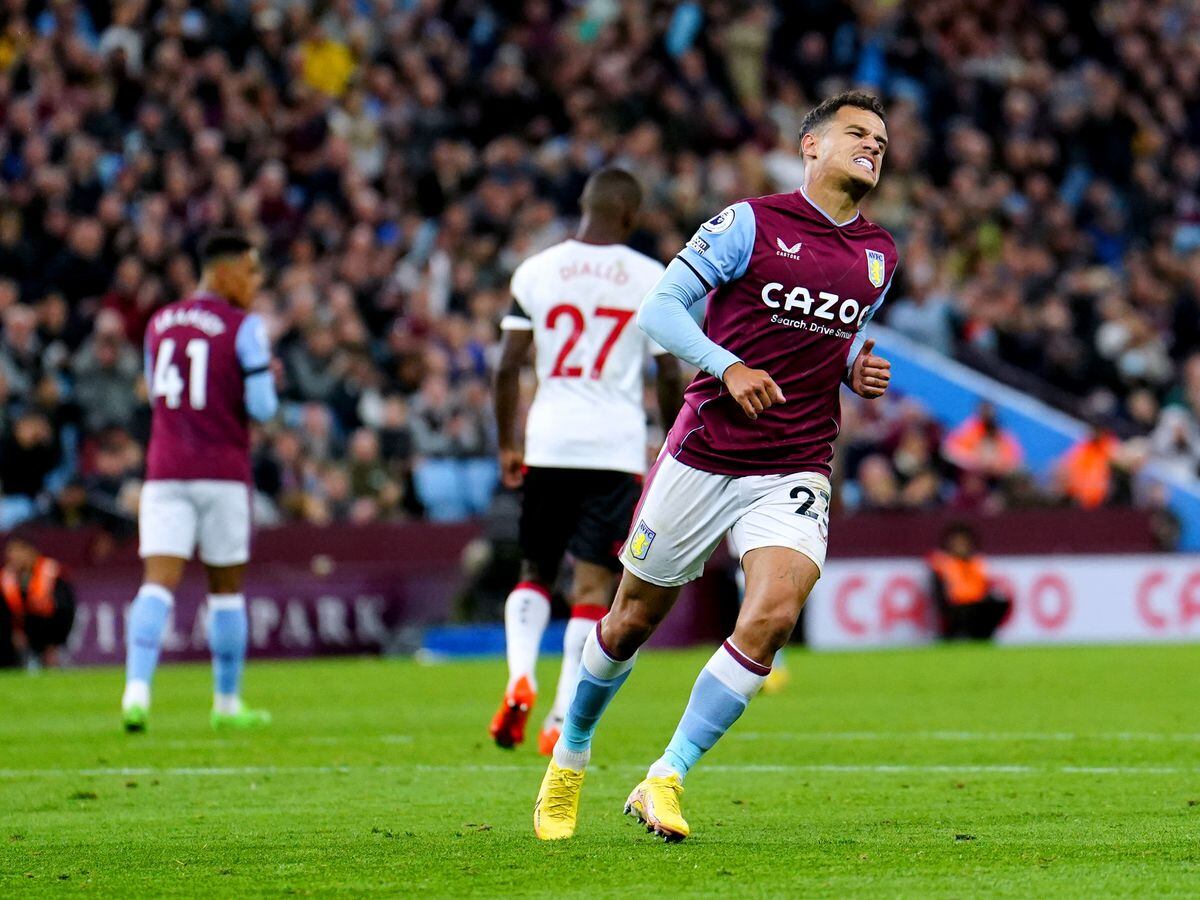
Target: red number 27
point(619, 319)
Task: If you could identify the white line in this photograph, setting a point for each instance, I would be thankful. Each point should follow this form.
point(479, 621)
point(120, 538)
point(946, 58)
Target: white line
point(963, 736)
point(316, 740)
point(880, 769)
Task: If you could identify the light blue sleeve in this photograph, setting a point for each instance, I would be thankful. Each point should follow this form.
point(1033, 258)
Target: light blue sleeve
point(720, 249)
point(666, 316)
point(254, 354)
point(861, 338)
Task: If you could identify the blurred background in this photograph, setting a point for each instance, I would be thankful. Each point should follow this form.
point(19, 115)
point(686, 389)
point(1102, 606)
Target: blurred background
point(397, 159)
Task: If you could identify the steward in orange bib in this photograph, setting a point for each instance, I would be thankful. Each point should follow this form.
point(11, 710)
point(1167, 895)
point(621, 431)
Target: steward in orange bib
point(968, 604)
point(38, 606)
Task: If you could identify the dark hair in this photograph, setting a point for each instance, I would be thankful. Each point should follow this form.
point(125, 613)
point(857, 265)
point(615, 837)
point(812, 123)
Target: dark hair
point(958, 529)
point(827, 108)
point(612, 191)
point(220, 244)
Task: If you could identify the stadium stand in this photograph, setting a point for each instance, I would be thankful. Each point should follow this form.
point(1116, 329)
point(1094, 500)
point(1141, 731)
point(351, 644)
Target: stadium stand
point(397, 160)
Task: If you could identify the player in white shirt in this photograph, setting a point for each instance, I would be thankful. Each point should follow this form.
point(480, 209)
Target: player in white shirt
point(584, 453)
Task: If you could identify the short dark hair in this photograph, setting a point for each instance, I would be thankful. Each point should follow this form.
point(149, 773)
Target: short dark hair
point(221, 244)
point(612, 192)
point(827, 108)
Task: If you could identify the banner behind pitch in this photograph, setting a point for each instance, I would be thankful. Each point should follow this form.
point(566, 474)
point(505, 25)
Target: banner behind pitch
point(1056, 599)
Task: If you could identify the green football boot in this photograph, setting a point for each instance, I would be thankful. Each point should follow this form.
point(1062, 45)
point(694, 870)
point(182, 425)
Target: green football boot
point(243, 720)
point(135, 718)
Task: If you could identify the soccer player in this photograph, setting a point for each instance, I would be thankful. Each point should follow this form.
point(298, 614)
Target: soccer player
point(208, 370)
point(792, 280)
point(585, 438)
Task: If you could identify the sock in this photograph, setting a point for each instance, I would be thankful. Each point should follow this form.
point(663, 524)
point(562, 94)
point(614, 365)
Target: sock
point(143, 640)
point(584, 617)
point(600, 677)
point(227, 637)
point(526, 612)
point(727, 683)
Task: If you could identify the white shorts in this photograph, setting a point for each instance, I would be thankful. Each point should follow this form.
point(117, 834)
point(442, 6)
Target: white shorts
point(685, 512)
point(175, 516)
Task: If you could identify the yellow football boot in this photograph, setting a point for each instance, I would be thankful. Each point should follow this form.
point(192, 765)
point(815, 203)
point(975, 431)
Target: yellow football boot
point(557, 803)
point(777, 679)
point(655, 803)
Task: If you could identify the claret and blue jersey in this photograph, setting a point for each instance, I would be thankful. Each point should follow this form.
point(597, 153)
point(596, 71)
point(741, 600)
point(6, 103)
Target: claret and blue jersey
point(790, 292)
point(207, 371)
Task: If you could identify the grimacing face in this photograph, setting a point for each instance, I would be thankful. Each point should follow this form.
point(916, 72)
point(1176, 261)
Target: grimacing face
point(852, 144)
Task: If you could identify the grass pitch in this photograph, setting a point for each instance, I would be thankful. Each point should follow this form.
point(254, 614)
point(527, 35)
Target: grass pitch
point(957, 771)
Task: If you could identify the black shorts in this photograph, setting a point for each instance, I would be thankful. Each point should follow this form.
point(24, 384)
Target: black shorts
point(585, 512)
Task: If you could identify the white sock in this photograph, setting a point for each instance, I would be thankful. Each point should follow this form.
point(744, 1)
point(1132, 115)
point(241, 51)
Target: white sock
point(526, 612)
point(578, 628)
point(137, 693)
point(227, 704)
point(571, 759)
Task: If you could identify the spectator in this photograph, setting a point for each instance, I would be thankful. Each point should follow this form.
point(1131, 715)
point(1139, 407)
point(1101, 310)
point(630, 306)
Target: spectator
point(38, 609)
point(106, 371)
point(1091, 473)
point(28, 454)
point(980, 446)
point(967, 601)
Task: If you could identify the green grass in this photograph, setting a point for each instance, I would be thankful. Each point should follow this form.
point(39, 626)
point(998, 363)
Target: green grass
point(943, 772)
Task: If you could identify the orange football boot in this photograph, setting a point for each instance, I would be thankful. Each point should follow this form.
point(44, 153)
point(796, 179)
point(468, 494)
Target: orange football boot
point(508, 725)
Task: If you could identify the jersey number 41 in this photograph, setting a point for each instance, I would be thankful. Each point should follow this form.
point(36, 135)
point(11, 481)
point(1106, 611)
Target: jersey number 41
point(169, 384)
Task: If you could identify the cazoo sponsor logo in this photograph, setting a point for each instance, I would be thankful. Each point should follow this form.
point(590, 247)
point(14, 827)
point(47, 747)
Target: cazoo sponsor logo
point(824, 306)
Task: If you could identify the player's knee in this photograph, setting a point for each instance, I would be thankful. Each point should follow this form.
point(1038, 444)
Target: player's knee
point(767, 631)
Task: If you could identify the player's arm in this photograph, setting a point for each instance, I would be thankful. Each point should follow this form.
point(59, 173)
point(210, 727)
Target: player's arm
point(868, 375)
point(719, 252)
point(254, 355)
point(516, 339)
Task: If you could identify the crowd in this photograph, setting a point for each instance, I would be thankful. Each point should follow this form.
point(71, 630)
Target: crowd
point(397, 158)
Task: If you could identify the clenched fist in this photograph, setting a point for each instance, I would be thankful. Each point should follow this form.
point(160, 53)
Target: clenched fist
point(753, 389)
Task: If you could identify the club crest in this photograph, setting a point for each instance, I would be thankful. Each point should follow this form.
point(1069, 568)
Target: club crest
point(875, 268)
point(639, 544)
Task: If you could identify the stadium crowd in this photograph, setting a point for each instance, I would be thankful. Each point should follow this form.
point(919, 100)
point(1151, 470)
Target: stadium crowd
point(398, 158)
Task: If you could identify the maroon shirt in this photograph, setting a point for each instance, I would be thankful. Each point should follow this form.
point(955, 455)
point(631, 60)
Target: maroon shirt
point(792, 289)
point(200, 429)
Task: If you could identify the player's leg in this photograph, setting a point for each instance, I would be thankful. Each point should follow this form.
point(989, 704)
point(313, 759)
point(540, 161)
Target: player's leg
point(681, 518)
point(547, 515)
point(227, 626)
point(167, 538)
point(604, 516)
point(637, 610)
point(224, 539)
point(778, 582)
point(591, 593)
point(526, 614)
point(781, 541)
point(779, 677)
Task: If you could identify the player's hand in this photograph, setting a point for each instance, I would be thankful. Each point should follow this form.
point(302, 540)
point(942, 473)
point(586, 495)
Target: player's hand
point(870, 376)
point(276, 368)
point(512, 468)
point(753, 389)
